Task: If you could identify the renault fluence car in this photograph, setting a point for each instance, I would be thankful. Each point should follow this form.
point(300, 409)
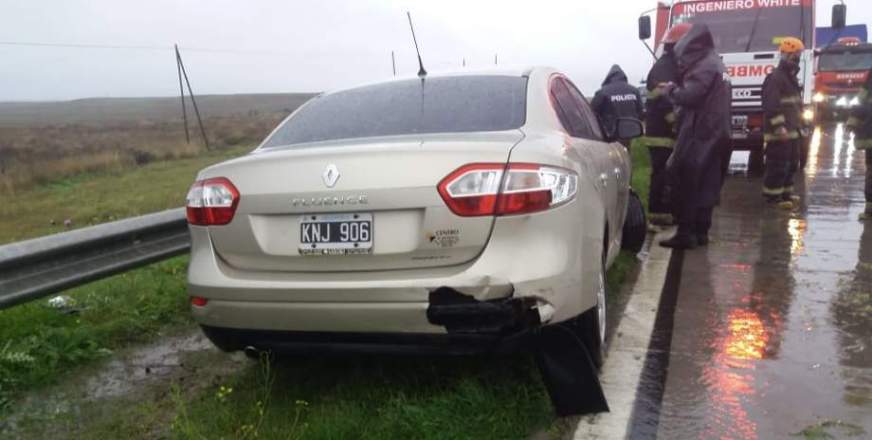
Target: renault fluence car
point(450, 214)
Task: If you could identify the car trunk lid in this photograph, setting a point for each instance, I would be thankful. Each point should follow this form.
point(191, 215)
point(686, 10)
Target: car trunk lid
point(389, 181)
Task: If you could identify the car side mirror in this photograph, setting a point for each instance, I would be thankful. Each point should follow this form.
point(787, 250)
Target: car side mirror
point(644, 27)
point(627, 128)
point(840, 14)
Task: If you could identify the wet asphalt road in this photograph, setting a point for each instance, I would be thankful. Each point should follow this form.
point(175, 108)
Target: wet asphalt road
point(772, 330)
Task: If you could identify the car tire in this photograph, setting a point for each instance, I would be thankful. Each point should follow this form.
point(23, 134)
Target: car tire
point(635, 225)
point(591, 325)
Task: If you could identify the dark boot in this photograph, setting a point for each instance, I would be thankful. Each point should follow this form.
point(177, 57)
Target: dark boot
point(680, 241)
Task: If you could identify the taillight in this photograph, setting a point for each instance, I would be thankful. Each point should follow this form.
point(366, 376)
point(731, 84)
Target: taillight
point(212, 202)
point(497, 189)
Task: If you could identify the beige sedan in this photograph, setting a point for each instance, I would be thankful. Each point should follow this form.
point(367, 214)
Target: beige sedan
point(448, 214)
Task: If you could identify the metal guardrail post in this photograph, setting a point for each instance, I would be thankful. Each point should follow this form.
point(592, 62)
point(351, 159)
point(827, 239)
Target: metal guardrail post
point(39, 267)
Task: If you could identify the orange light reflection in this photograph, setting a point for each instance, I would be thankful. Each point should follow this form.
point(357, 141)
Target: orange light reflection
point(748, 337)
point(796, 227)
point(813, 148)
point(741, 346)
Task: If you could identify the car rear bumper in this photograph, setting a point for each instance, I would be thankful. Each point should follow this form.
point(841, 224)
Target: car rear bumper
point(305, 343)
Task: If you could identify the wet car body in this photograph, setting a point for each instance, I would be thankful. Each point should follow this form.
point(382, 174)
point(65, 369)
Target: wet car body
point(492, 212)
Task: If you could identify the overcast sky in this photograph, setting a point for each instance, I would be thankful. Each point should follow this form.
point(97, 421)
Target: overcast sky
point(309, 45)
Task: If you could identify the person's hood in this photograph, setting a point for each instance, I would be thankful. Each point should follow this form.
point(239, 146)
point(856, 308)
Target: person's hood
point(616, 74)
point(696, 45)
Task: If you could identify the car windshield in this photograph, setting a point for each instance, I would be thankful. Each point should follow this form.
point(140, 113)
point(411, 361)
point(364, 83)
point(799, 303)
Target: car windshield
point(844, 61)
point(749, 25)
point(433, 105)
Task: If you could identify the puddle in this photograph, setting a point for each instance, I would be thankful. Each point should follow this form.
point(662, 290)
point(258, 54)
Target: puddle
point(144, 366)
point(141, 375)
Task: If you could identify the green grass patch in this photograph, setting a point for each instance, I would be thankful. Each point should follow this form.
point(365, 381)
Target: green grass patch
point(93, 198)
point(39, 344)
point(641, 180)
point(371, 398)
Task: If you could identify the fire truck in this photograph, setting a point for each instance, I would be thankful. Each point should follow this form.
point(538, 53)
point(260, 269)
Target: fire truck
point(746, 35)
point(841, 69)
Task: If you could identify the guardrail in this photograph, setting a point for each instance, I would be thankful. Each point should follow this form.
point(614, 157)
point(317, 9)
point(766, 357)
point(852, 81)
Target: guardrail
point(36, 268)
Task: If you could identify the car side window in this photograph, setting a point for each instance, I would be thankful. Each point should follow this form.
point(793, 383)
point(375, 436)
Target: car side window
point(589, 115)
point(570, 113)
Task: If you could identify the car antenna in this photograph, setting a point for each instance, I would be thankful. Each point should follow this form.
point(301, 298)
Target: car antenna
point(421, 72)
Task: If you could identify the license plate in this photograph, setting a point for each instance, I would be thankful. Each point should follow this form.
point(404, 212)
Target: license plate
point(336, 234)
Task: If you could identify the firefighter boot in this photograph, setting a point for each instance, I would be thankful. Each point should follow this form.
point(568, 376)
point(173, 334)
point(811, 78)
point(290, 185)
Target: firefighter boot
point(680, 241)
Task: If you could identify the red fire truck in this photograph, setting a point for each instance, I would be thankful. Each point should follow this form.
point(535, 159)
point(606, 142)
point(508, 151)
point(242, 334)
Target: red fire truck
point(841, 69)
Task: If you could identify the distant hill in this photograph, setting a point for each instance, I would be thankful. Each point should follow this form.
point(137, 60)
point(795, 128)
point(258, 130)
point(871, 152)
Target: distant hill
point(98, 111)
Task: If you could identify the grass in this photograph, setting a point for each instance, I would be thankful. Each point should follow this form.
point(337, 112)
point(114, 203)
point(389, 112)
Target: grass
point(359, 397)
point(98, 197)
point(372, 398)
point(39, 344)
point(831, 429)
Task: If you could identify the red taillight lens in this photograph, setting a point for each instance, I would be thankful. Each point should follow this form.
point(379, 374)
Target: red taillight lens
point(199, 301)
point(212, 202)
point(497, 189)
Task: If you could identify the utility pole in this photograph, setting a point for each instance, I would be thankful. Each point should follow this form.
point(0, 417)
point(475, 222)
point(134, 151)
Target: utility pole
point(394, 62)
point(182, 96)
point(181, 66)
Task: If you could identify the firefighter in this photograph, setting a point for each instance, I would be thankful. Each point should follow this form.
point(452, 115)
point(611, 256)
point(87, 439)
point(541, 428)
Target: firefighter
point(860, 123)
point(782, 105)
point(616, 99)
point(660, 126)
point(703, 97)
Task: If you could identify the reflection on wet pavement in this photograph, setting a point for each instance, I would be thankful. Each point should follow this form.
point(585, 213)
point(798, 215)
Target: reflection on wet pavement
point(773, 322)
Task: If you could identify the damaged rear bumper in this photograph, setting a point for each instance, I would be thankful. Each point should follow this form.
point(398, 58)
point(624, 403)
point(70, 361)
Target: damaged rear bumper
point(468, 326)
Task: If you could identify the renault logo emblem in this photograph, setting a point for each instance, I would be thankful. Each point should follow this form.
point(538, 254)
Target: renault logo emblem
point(330, 176)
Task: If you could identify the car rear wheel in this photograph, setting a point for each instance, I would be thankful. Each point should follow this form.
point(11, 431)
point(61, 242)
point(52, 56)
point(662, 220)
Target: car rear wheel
point(591, 325)
point(635, 225)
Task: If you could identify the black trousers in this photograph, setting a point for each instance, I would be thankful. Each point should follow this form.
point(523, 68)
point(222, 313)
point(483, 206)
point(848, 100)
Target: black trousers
point(658, 197)
point(693, 217)
point(694, 220)
point(782, 162)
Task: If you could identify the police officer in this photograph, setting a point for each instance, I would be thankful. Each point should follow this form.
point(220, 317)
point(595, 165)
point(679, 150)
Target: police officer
point(616, 99)
point(860, 123)
point(782, 105)
point(660, 127)
point(703, 98)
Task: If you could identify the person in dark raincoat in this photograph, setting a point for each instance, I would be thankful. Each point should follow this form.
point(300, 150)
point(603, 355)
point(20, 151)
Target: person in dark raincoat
point(703, 98)
point(660, 126)
point(782, 106)
point(860, 123)
point(616, 99)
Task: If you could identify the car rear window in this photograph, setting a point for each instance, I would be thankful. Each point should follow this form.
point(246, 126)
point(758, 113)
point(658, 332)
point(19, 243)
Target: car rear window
point(434, 105)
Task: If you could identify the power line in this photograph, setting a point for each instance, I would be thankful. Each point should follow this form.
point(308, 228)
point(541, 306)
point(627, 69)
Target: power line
point(82, 46)
point(140, 47)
